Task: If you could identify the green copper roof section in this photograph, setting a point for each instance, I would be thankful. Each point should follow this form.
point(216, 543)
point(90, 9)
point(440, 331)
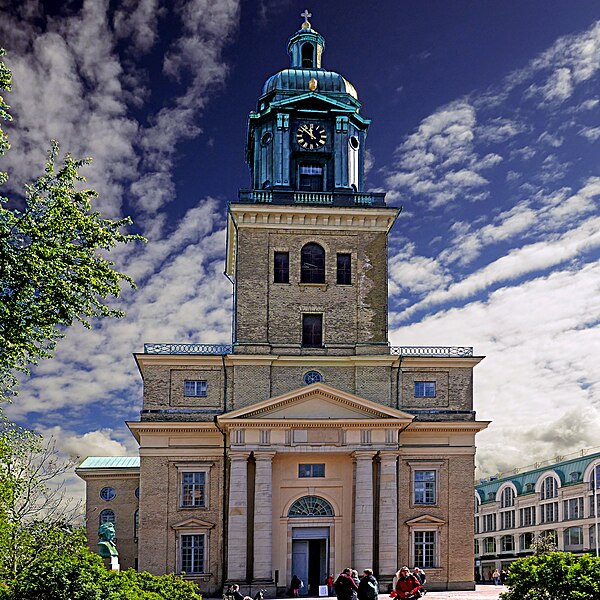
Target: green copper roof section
point(110, 462)
point(569, 472)
point(299, 79)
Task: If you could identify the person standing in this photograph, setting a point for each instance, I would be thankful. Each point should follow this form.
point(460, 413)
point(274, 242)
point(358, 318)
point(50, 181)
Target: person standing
point(295, 586)
point(345, 587)
point(496, 576)
point(329, 583)
point(420, 575)
point(368, 588)
point(407, 585)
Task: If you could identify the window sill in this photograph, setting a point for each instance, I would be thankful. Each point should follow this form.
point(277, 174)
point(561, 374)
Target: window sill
point(322, 285)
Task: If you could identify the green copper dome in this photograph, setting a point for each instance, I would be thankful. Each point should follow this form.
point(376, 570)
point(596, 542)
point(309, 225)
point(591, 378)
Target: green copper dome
point(298, 80)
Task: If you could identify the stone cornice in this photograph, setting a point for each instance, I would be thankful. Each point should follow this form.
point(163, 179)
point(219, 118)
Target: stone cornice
point(335, 218)
point(125, 473)
point(447, 426)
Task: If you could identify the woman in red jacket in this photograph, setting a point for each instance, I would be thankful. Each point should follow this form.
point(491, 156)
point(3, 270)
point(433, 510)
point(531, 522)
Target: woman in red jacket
point(407, 586)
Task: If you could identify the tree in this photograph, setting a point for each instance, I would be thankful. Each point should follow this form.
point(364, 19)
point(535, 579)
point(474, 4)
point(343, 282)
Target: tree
point(33, 502)
point(53, 271)
point(554, 576)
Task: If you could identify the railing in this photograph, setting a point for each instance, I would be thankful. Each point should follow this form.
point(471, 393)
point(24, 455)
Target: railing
point(336, 198)
point(188, 348)
point(444, 351)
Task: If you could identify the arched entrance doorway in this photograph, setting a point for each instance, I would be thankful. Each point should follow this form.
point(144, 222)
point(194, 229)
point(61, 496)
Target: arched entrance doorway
point(310, 542)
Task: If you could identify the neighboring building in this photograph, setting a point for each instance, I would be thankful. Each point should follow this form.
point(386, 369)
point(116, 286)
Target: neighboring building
point(555, 500)
point(308, 444)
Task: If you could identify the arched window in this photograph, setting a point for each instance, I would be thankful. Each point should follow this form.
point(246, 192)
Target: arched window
point(312, 258)
point(308, 51)
point(508, 497)
point(549, 488)
point(136, 523)
point(311, 506)
point(108, 516)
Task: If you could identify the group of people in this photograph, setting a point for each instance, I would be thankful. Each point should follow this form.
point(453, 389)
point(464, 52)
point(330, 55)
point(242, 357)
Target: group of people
point(497, 577)
point(406, 585)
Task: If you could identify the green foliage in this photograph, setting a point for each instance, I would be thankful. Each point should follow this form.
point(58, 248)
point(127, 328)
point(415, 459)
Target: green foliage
point(5, 84)
point(66, 570)
point(53, 269)
point(554, 576)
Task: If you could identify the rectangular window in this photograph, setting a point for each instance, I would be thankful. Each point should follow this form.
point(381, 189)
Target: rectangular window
point(549, 512)
point(311, 177)
point(312, 331)
point(425, 549)
point(507, 543)
point(193, 489)
point(573, 536)
point(527, 516)
point(424, 487)
point(424, 389)
point(489, 522)
point(281, 267)
point(490, 545)
point(344, 269)
point(525, 541)
point(192, 553)
point(507, 519)
point(195, 388)
point(316, 470)
point(476, 524)
point(592, 512)
point(573, 508)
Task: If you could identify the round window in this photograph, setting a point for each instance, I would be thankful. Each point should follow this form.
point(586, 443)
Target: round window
point(266, 139)
point(354, 143)
point(137, 492)
point(107, 493)
point(312, 377)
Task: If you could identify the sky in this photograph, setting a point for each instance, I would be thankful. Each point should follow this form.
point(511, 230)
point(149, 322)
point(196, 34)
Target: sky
point(485, 129)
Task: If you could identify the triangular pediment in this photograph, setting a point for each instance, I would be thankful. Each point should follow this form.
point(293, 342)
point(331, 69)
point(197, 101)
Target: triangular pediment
point(315, 97)
point(426, 520)
point(317, 402)
point(193, 523)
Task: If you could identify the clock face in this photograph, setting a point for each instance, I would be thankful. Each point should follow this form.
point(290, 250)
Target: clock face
point(311, 136)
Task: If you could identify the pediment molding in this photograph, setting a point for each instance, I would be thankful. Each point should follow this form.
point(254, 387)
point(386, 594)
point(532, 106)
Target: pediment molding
point(192, 523)
point(426, 520)
point(359, 410)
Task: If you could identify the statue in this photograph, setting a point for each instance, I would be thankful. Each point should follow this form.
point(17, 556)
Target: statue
point(106, 545)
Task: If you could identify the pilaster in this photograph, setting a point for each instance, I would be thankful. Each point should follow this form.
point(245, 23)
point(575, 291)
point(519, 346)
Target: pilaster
point(388, 515)
point(263, 516)
point(237, 539)
point(363, 508)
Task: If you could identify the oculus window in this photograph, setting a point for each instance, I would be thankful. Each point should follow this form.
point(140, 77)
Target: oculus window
point(312, 377)
point(311, 470)
point(424, 389)
point(108, 493)
point(281, 267)
point(344, 269)
point(312, 261)
point(195, 388)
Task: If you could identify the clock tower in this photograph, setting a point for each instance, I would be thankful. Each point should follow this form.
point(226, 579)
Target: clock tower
point(307, 244)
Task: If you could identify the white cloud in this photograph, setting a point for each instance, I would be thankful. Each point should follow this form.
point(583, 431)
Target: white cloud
point(590, 133)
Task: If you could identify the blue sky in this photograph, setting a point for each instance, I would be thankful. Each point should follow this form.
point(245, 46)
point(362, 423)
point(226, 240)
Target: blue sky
point(485, 128)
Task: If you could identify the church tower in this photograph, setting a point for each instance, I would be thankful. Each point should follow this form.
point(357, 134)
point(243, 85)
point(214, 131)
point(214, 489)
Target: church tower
point(308, 443)
point(307, 245)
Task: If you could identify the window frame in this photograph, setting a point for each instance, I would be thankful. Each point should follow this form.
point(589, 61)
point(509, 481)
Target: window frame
point(429, 487)
point(568, 532)
point(315, 273)
point(284, 270)
point(507, 519)
point(503, 544)
point(421, 389)
point(313, 467)
point(489, 544)
point(193, 534)
point(110, 491)
point(549, 509)
point(433, 554)
point(200, 391)
point(193, 467)
point(305, 343)
point(568, 504)
point(344, 272)
point(527, 510)
point(104, 513)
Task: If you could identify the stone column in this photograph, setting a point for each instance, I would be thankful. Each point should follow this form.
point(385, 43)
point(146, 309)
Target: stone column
point(263, 516)
point(238, 516)
point(363, 509)
point(388, 514)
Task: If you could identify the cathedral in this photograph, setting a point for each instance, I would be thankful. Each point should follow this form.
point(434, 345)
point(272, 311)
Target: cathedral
point(308, 444)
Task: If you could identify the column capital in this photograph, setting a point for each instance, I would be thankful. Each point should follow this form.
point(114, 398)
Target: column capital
point(266, 456)
point(238, 456)
point(389, 454)
point(363, 454)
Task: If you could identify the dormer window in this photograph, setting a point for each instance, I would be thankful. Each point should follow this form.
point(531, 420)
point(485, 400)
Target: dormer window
point(308, 52)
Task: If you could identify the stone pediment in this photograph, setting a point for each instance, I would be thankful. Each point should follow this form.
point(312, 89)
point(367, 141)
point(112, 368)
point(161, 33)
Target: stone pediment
point(193, 523)
point(316, 402)
point(426, 520)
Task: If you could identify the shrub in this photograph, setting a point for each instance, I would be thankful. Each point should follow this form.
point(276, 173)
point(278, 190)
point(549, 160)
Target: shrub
point(554, 576)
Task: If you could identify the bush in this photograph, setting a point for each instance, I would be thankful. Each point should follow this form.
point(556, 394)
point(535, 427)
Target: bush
point(554, 576)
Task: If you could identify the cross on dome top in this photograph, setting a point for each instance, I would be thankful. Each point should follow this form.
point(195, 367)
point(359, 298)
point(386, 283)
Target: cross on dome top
point(306, 14)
